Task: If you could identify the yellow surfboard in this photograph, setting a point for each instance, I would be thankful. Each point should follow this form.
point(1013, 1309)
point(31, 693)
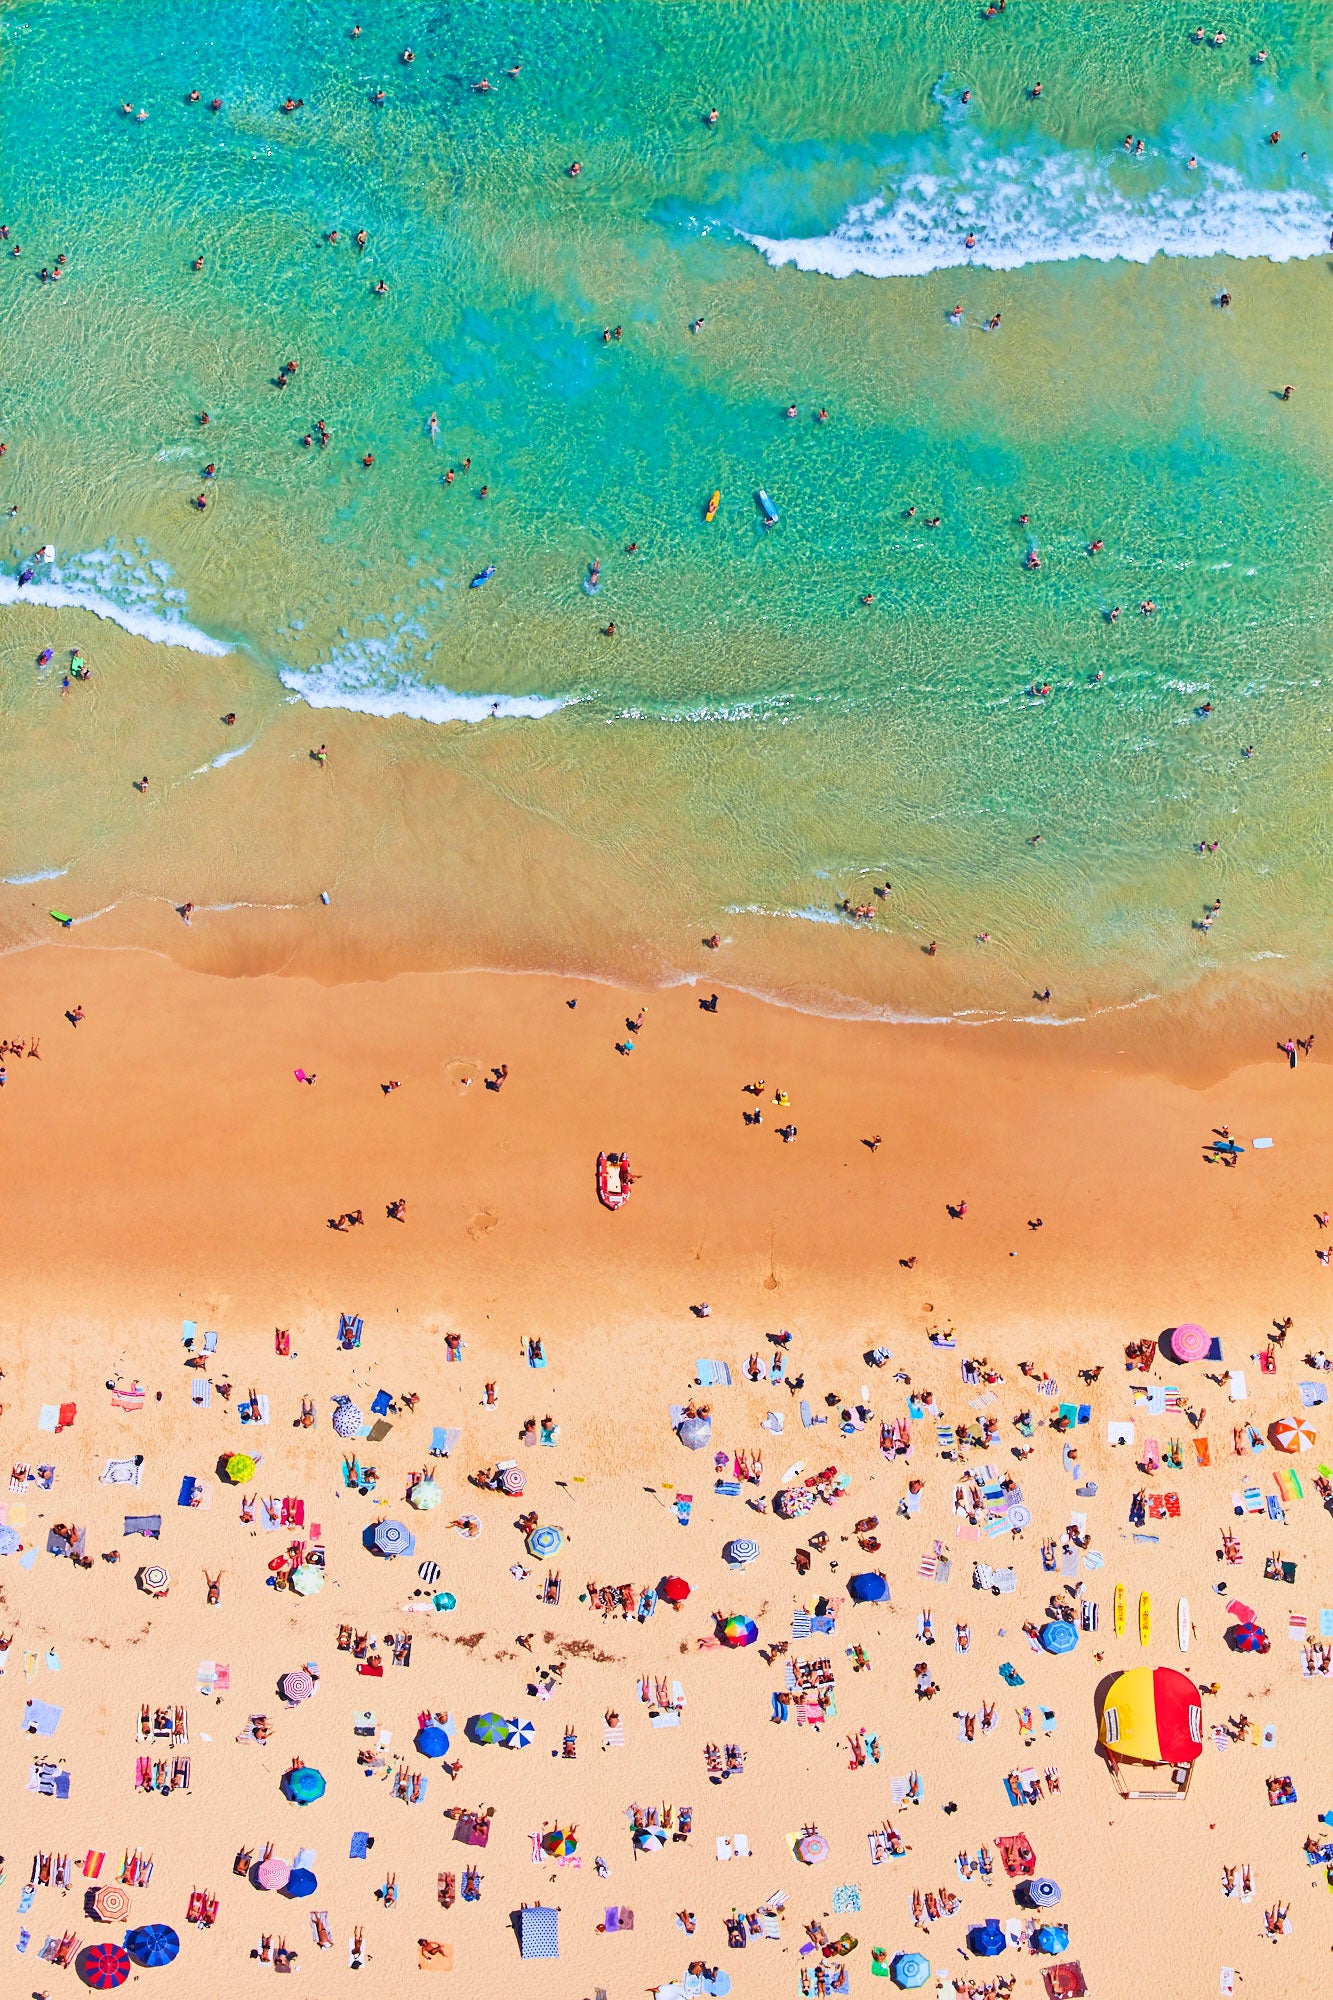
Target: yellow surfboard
point(1118, 1611)
point(1145, 1618)
point(712, 506)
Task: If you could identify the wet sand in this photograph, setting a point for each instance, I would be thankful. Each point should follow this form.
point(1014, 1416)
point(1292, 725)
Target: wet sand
point(161, 1163)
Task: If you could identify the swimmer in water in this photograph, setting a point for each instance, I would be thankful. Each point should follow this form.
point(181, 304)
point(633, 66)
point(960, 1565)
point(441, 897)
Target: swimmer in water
point(1095, 548)
point(361, 239)
point(711, 119)
point(791, 410)
point(969, 241)
point(992, 325)
point(956, 316)
point(433, 424)
point(574, 170)
point(697, 325)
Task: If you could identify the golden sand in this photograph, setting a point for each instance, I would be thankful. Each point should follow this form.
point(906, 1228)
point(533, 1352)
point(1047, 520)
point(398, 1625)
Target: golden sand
point(161, 1163)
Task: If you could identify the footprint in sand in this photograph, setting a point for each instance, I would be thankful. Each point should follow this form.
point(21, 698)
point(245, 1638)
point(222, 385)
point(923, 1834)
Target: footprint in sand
point(483, 1223)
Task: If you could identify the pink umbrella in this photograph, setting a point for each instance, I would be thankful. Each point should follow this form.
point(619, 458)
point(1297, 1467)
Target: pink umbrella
point(1190, 1343)
point(297, 1685)
point(273, 1873)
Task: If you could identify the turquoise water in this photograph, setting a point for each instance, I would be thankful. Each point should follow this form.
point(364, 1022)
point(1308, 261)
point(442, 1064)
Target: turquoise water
point(774, 740)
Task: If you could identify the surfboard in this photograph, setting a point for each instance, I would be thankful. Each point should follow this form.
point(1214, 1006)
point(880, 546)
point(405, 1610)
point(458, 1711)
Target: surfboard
point(1183, 1624)
point(712, 506)
point(62, 919)
point(766, 508)
point(1145, 1618)
point(1118, 1611)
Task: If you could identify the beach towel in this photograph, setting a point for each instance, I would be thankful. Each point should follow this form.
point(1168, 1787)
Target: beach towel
point(92, 1864)
point(1119, 1433)
point(1236, 1386)
point(443, 1441)
point(201, 1392)
point(1312, 1394)
point(360, 1847)
point(1201, 1453)
point(1326, 1624)
point(664, 1718)
point(349, 1330)
point(149, 1525)
point(247, 1414)
point(382, 1402)
point(48, 1417)
point(193, 1492)
point(130, 1399)
point(40, 1718)
point(683, 1503)
point(613, 1736)
point(122, 1472)
point(847, 1896)
point(774, 1422)
point(66, 1416)
point(1275, 1512)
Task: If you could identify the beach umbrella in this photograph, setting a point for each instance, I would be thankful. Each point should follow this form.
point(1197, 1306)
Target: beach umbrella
point(306, 1579)
point(272, 1874)
point(111, 1905)
point(304, 1785)
point(103, 1966)
point(1190, 1343)
point(444, 1600)
point(811, 1848)
point(868, 1587)
point(297, 1685)
point(155, 1579)
point(1043, 1892)
point(520, 1734)
point(694, 1432)
point(425, 1495)
point(241, 1468)
point(301, 1882)
point(1018, 1516)
point(1050, 1937)
point(348, 1421)
point(558, 1842)
point(987, 1940)
point(10, 1540)
point(1250, 1638)
point(1059, 1636)
point(649, 1838)
point(739, 1631)
point(152, 1944)
point(1292, 1434)
point(433, 1740)
point(675, 1590)
point(393, 1539)
point(741, 1551)
point(489, 1728)
point(909, 1969)
point(544, 1542)
point(513, 1479)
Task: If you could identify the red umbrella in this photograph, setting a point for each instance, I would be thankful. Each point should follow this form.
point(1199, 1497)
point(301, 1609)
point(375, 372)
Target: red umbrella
point(675, 1590)
point(103, 1966)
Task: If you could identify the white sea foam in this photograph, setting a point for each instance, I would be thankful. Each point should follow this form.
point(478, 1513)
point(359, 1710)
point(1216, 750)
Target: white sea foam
point(1048, 206)
point(41, 875)
point(127, 590)
point(365, 675)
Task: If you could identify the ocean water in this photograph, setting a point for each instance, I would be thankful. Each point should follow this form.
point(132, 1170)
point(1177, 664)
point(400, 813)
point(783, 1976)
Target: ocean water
point(753, 742)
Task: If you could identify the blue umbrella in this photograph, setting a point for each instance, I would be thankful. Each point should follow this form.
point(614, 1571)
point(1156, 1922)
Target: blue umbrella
point(520, 1734)
point(301, 1882)
point(1051, 1937)
point(870, 1588)
point(1043, 1893)
point(304, 1785)
point(433, 1740)
point(544, 1542)
point(1059, 1636)
point(909, 1969)
point(987, 1940)
point(393, 1539)
point(152, 1944)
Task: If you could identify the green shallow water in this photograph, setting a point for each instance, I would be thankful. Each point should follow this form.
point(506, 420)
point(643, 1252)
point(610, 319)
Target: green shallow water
point(754, 742)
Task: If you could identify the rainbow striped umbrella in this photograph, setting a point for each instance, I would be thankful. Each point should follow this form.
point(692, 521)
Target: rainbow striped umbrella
point(739, 1632)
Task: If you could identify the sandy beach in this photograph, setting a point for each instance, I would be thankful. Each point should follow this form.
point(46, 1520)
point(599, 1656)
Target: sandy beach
point(163, 1165)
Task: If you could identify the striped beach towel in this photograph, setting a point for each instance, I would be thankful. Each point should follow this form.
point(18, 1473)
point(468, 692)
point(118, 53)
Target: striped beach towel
point(92, 1864)
point(429, 1572)
point(613, 1737)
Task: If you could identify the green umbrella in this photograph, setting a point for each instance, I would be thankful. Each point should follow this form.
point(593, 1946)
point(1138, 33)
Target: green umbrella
point(307, 1579)
point(490, 1729)
point(304, 1785)
point(241, 1468)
